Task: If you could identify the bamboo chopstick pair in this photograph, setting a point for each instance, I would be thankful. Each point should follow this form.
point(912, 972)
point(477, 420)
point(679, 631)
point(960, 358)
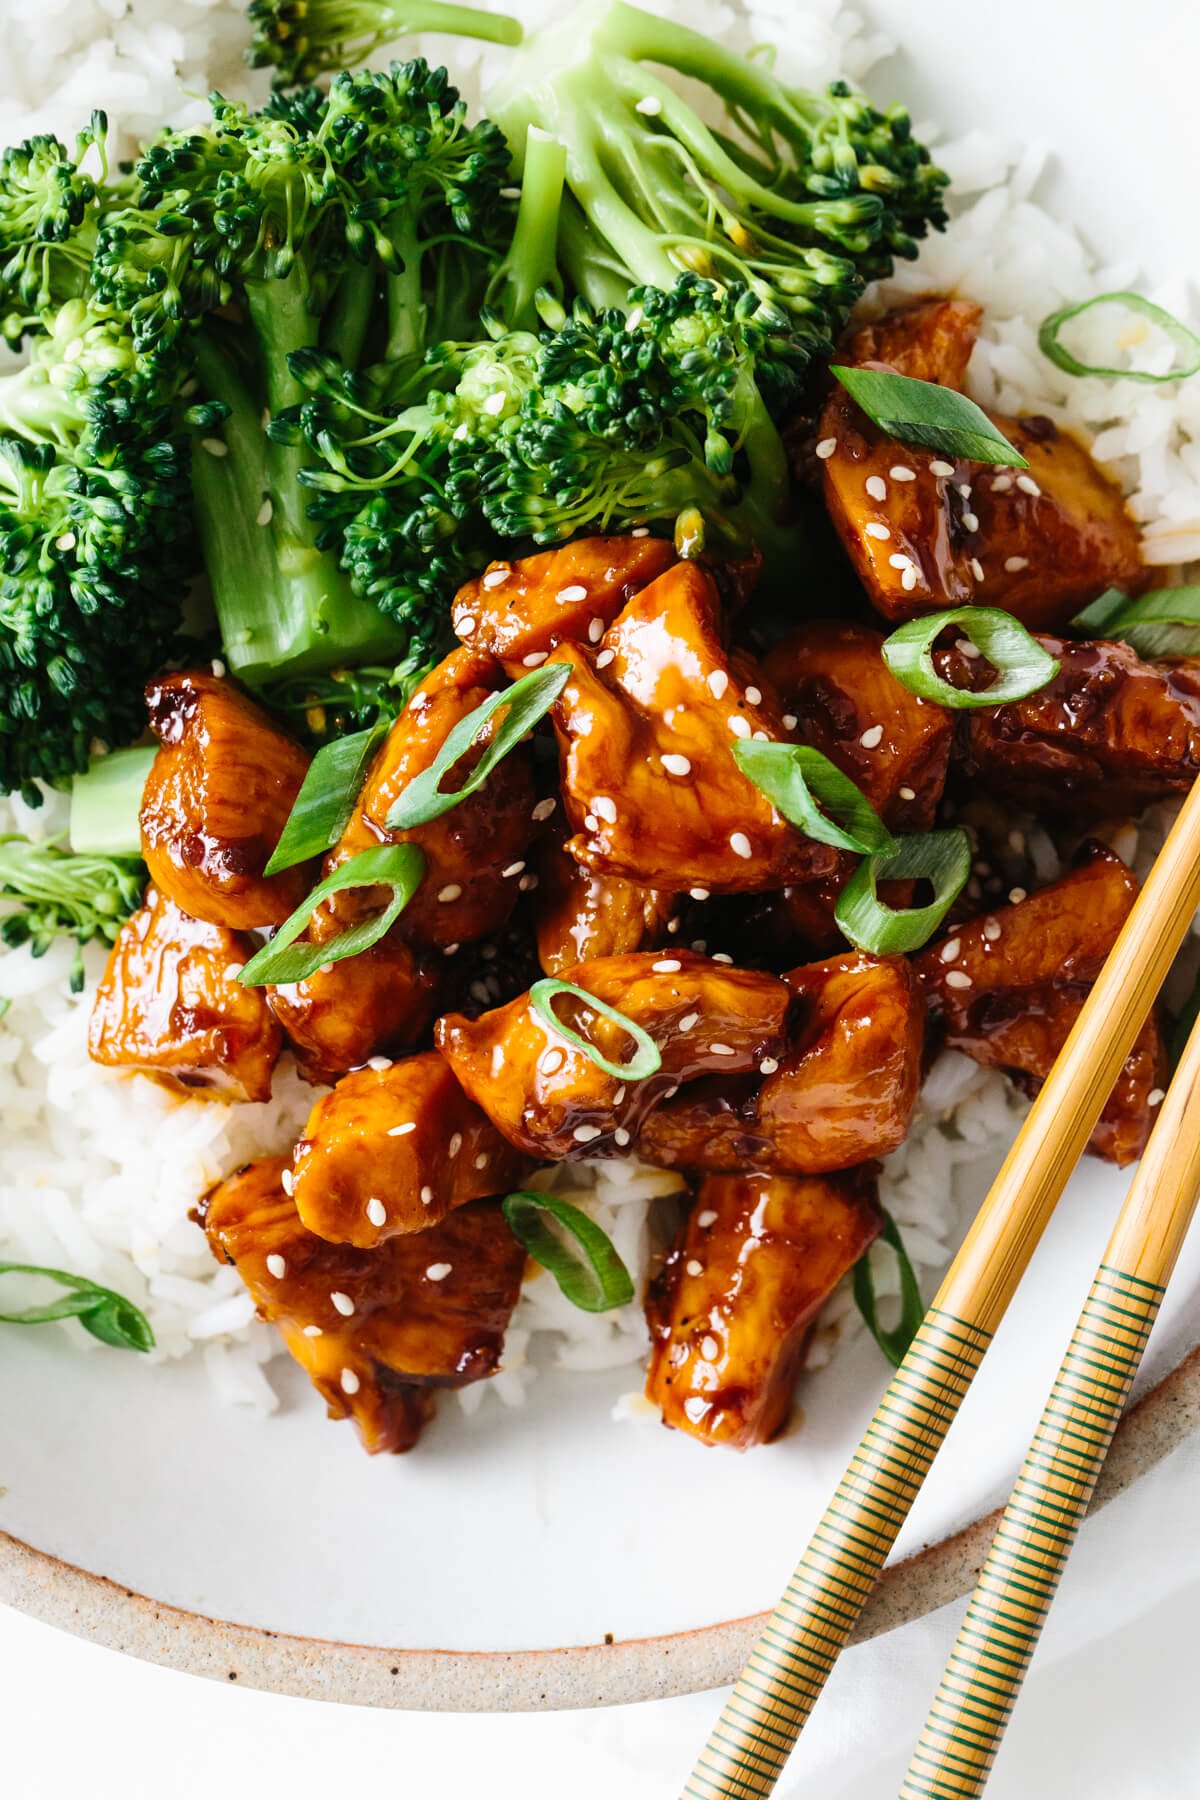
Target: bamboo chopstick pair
point(804, 1636)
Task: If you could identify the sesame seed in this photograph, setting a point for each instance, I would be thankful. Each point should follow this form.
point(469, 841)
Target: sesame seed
point(908, 579)
point(898, 560)
point(754, 696)
point(576, 591)
point(218, 667)
point(438, 1271)
point(638, 530)
point(586, 1134)
point(1156, 1096)
point(699, 946)
point(287, 1182)
point(673, 926)
point(350, 1382)
point(720, 956)
point(605, 807)
point(591, 821)
point(943, 469)
point(963, 488)
point(958, 978)
point(877, 487)
point(739, 725)
point(718, 681)
point(966, 648)
point(466, 625)
point(313, 1331)
point(970, 521)
point(618, 1096)
point(494, 404)
point(1028, 485)
point(455, 1144)
point(790, 721)
point(907, 793)
point(510, 193)
point(621, 1138)
point(976, 568)
point(376, 1212)
point(481, 1161)
point(527, 883)
point(233, 970)
point(689, 1021)
point(215, 447)
point(451, 949)
point(277, 1267)
point(991, 931)
point(721, 1050)
point(670, 965)
point(950, 949)
point(740, 844)
point(67, 541)
point(676, 765)
point(706, 1218)
point(826, 448)
point(699, 893)
point(552, 1062)
point(448, 894)
point(379, 1063)
point(693, 1267)
point(875, 530)
point(595, 630)
point(1001, 483)
point(426, 1196)
point(872, 737)
point(604, 658)
point(535, 659)
point(514, 868)
point(768, 1065)
point(498, 576)
point(901, 472)
point(342, 1303)
point(1017, 894)
point(1014, 564)
point(542, 811)
point(403, 1130)
point(651, 105)
point(1016, 842)
point(709, 1348)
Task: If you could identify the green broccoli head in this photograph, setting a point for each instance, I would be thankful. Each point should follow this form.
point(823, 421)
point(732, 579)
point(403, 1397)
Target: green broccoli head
point(47, 893)
point(49, 209)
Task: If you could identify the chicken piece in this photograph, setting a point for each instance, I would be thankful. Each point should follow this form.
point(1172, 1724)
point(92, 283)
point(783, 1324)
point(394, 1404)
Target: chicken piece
point(844, 1091)
point(551, 1100)
point(645, 731)
point(216, 801)
point(581, 916)
point(732, 1311)
point(475, 853)
point(1008, 987)
point(382, 1000)
point(376, 1331)
point(170, 1005)
point(519, 612)
point(925, 531)
point(393, 1150)
point(833, 680)
point(1108, 735)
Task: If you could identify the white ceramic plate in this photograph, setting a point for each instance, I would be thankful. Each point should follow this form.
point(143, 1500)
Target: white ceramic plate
point(552, 1526)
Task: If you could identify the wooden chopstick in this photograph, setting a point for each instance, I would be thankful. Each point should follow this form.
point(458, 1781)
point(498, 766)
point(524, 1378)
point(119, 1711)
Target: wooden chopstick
point(806, 1633)
point(1018, 1581)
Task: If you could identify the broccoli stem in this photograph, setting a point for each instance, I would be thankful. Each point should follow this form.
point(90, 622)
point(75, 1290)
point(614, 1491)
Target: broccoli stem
point(106, 802)
point(347, 320)
point(405, 302)
point(531, 263)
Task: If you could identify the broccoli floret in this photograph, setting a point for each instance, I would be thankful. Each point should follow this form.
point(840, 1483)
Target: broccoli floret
point(324, 707)
point(303, 39)
point(47, 893)
point(94, 530)
point(50, 208)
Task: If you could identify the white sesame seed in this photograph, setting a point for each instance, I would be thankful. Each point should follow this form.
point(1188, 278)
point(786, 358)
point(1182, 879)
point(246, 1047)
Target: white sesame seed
point(740, 844)
point(958, 978)
point(527, 883)
point(768, 1065)
point(455, 1144)
point(535, 659)
point(342, 1303)
point(621, 1138)
point(709, 1348)
point(976, 568)
point(991, 931)
point(970, 521)
point(876, 487)
point(1001, 483)
point(876, 530)
point(790, 721)
point(575, 591)
point(670, 965)
point(718, 681)
point(426, 1196)
point(720, 956)
point(586, 1134)
point(482, 1160)
point(513, 869)
point(438, 1271)
point(898, 560)
point(618, 1096)
point(651, 105)
point(693, 1267)
point(1028, 485)
point(215, 446)
point(1156, 1096)
point(325, 969)
point(676, 765)
point(760, 737)
point(638, 530)
point(542, 811)
point(67, 541)
point(966, 648)
point(907, 793)
point(287, 1182)
point(605, 807)
point(376, 1212)
point(451, 949)
point(1014, 564)
point(448, 894)
point(826, 448)
point(872, 737)
point(277, 1267)
point(403, 1130)
point(739, 725)
point(944, 469)
point(699, 893)
point(901, 472)
point(379, 1063)
point(553, 1061)
point(313, 1331)
point(908, 579)
point(1017, 894)
point(706, 1218)
point(721, 1050)
point(595, 630)
point(466, 625)
point(350, 1382)
point(604, 658)
point(218, 668)
point(689, 1021)
point(233, 970)
point(498, 576)
point(494, 404)
point(591, 821)
point(963, 488)
point(950, 949)
point(1016, 842)
point(673, 926)
point(753, 696)
point(510, 193)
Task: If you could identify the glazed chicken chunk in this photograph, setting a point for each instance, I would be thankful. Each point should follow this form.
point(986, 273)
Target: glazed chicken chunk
point(519, 612)
point(732, 1311)
point(646, 727)
point(337, 1018)
point(925, 532)
point(843, 1092)
point(1008, 987)
point(170, 1005)
point(393, 1150)
point(377, 1332)
point(216, 801)
point(1108, 735)
point(551, 1100)
point(581, 916)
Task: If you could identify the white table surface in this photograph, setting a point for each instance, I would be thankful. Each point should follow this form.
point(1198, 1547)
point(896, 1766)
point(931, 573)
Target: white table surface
point(1110, 1711)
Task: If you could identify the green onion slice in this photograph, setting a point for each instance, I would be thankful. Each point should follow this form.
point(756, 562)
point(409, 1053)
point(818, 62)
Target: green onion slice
point(326, 798)
point(921, 412)
point(1022, 666)
point(107, 1315)
point(580, 1256)
point(799, 782)
point(398, 866)
point(646, 1060)
point(894, 1343)
point(1051, 345)
point(940, 857)
point(1164, 623)
point(527, 701)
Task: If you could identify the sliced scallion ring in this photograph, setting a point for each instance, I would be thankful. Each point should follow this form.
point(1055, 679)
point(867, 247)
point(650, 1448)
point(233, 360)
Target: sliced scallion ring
point(940, 857)
point(527, 701)
point(1182, 336)
point(921, 412)
point(894, 1343)
point(283, 960)
point(799, 782)
point(1164, 623)
point(326, 799)
point(583, 1261)
point(646, 1061)
point(1022, 666)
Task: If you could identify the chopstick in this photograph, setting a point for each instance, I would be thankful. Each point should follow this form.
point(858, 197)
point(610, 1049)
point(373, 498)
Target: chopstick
point(806, 1633)
point(1012, 1597)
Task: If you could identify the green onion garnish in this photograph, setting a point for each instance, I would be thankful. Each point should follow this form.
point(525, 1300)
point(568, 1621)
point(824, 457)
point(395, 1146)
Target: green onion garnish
point(398, 866)
point(1022, 665)
point(799, 782)
point(1164, 623)
point(940, 857)
point(326, 798)
point(527, 701)
point(1051, 345)
point(584, 1263)
point(921, 412)
point(894, 1343)
point(646, 1061)
point(108, 1316)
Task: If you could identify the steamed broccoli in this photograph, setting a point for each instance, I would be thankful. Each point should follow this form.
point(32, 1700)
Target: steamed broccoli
point(46, 893)
point(50, 208)
point(305, 38)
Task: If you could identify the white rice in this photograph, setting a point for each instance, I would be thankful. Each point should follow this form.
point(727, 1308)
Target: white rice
point(100, 1169)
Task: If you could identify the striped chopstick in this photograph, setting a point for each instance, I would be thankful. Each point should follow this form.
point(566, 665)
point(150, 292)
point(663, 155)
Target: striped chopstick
point(1018, 1581)
point(800, 1643)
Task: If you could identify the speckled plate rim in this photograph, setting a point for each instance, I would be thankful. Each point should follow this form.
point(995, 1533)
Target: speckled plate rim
point(94, 1607)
